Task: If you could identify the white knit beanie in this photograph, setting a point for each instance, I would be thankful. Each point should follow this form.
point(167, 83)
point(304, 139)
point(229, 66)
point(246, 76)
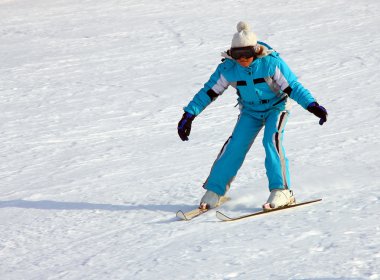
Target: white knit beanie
point(244, 37)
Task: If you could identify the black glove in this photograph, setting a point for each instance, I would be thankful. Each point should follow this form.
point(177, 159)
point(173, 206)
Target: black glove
point(184, 126)
point(319, 111)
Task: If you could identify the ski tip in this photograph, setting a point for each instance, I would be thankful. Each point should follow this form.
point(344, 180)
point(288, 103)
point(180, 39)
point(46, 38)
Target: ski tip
point(222, 216)
point(180, 215)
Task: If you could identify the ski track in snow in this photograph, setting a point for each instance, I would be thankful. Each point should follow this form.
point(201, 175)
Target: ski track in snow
point(92, 169)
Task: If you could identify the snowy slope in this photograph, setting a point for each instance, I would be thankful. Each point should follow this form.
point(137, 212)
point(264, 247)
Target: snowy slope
point(92, 170)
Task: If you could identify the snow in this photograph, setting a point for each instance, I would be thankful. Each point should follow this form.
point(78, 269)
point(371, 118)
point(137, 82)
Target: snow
point(92, 170)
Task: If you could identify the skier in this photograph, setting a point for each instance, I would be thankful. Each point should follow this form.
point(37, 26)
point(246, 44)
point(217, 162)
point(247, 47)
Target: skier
point(264, 83)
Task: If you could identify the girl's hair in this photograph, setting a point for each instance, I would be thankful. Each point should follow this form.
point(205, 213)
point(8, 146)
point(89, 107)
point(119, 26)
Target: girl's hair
point(259, 50)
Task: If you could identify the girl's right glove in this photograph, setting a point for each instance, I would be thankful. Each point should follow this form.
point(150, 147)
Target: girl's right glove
point(184, 126)
point(319, 111)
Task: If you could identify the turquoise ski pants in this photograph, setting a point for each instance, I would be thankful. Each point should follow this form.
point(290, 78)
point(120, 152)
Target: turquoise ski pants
point(233, 153)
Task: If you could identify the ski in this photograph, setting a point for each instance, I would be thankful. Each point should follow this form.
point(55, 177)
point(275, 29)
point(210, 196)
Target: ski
point(187, 216)
point(226, 218)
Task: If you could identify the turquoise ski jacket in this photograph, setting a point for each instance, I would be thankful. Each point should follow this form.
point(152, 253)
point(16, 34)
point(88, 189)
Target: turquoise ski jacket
point(264, 85)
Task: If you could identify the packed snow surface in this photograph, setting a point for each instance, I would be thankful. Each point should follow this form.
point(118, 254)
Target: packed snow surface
point(93, 171)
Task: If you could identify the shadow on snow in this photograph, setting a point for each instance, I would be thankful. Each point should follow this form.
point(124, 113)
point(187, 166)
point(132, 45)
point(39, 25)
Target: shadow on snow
point(60, 205)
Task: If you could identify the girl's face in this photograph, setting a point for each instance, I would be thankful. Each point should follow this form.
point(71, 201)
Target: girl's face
point(245, 62)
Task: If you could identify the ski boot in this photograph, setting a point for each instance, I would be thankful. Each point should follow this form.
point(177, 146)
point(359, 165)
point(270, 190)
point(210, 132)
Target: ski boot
point(209, 200)
point(279, 198)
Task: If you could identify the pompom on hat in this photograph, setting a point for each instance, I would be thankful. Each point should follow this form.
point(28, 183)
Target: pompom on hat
point(244, 37)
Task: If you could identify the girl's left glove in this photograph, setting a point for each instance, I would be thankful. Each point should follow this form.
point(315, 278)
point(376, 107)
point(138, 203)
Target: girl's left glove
point(319, 111)
point(184, 126)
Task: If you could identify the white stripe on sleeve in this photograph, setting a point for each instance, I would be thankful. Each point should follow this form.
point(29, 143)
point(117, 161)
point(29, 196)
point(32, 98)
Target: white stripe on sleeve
point(280, 79)
point(221, 85)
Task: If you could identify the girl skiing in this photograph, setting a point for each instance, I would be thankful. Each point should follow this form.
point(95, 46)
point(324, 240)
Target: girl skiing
point(263, 83)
